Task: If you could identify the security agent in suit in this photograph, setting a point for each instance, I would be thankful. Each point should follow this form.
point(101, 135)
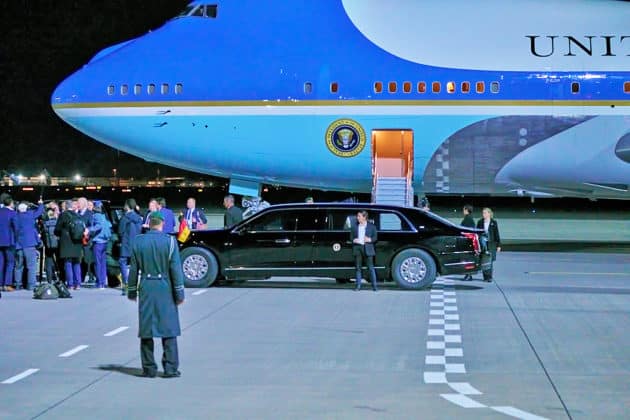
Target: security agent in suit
point(8, 234)
point(364, 236)
point(156, 278)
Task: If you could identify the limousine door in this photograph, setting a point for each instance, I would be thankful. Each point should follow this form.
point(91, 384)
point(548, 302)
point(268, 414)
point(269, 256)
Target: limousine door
point(332, 248)
point(278, 243)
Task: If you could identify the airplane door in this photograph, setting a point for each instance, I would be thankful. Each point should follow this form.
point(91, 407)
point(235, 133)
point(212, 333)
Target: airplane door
point(392, 153)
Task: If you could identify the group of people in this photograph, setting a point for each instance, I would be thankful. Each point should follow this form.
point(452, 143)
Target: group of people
point(492, 237)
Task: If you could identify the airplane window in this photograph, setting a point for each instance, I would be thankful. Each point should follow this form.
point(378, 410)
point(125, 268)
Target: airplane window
point(179, 88)
point(450, 87)
point(378, 87)
point(151, 89)
point(334, 87)
point(164, 88)
point(422, 87)
point(308, 88)
point(407, 87)
point(436, 87)
point(481, 87)
point(465, 87)
point(626, 87)
point(392, 87)
point(124, 89)
point(494, 87)
point(211, 11)
point(197, 12)
point(575, 87)
point(111, 90)
point(137, 89)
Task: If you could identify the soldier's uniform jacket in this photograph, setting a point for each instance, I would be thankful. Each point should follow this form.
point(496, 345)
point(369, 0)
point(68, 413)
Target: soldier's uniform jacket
point(156, 278)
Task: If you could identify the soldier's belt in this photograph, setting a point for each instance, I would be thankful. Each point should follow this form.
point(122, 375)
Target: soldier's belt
point(154, 276)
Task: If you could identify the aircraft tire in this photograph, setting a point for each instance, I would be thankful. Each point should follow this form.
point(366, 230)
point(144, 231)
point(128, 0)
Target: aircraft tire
point(200, 267)
point(413, 269)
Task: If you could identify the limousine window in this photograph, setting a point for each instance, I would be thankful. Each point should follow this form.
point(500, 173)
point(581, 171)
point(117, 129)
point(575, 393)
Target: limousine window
point(289, 221)
point(384, 220)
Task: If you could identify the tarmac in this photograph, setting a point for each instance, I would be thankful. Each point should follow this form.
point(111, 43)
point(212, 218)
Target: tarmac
point(547, 339)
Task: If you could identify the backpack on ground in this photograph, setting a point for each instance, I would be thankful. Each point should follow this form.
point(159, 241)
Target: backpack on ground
point(45, 291)
point(62, 290)
point(77, 229)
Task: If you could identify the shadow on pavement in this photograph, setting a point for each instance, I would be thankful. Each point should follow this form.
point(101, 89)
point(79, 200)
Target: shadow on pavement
point(125, 370)
point(327, 284)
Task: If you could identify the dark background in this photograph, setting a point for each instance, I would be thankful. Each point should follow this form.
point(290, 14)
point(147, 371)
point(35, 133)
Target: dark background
point(43, 42)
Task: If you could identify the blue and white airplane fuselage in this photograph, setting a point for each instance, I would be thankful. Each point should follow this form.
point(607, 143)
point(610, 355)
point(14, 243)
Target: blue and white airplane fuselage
point(524, 96)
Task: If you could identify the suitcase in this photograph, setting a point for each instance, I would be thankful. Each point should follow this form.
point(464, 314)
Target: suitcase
point(45, 291)
point(63, 291)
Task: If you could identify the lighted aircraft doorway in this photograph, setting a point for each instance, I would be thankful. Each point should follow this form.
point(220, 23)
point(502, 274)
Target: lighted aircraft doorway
point(392, 153)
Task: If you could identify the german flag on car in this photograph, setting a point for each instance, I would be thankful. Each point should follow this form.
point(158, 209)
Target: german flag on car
point(184, 231)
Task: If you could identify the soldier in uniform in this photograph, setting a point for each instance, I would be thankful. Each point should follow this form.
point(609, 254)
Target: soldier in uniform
point(156, 277)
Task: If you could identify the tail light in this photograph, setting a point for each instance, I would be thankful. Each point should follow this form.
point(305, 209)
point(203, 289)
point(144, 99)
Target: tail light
point(475, 241)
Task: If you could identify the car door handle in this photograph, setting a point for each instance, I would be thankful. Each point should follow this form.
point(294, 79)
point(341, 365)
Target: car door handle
point(283, 241)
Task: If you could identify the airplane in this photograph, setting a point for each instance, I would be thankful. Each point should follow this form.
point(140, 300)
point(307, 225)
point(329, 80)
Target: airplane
point(527, 97)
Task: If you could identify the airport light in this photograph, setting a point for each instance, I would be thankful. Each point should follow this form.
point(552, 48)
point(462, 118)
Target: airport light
point(42, 178)
point(77, 178)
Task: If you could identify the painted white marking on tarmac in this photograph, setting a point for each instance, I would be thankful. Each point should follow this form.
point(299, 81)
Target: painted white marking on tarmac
point(435, 345)
point(453, 352)
point(20, 376)
point(435, 360)
point(116, 331)
point(437, 312)
point(464, 388)
point(74, 350)
point(462, 401)
point(453, 317)
point(435, 377)
point(455, 368)
point(436, 322)
point(436, 332)
point(451, 327)
point(519, 414)
point(199, 292)
point(453, 338)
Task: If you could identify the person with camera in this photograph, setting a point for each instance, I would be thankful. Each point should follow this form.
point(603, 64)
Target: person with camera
point(51, 242)
point(26, 244)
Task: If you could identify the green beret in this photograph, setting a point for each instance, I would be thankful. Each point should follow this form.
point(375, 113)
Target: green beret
point(156, 215)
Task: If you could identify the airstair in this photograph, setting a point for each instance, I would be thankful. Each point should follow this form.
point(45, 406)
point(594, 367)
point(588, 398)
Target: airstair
point(396, 191)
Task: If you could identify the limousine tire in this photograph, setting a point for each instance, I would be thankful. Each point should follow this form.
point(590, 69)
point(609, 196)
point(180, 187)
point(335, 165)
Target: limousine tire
point(342, 281)
point(200, 267)
point(413, 269)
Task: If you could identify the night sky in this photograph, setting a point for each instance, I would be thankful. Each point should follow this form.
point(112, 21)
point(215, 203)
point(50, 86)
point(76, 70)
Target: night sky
point(43, 42)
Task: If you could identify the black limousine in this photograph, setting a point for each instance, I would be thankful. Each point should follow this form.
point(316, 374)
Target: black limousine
point(313, 240)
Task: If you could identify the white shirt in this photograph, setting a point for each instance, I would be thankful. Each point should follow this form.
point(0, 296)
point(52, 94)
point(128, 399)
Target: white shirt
point(486, 225)
point(362, 233)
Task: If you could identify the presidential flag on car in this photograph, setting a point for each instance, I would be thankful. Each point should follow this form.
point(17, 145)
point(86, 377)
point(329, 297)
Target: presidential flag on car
point(184, 231)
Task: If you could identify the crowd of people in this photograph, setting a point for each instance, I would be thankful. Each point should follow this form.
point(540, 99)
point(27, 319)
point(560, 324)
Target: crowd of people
point(74, 236)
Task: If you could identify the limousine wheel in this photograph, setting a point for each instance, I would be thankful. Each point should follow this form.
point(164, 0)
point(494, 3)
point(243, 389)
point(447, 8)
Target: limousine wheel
point(413, 269)
point(342, 281)
point(200, 267)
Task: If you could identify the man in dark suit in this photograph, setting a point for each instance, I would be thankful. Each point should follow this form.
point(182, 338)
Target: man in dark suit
point(87, 262)
point(169, 217)
point(468, 220)
point(195, 218)
point(233, 214)
point(8, 233)
point(364, 236)
point(156, 278)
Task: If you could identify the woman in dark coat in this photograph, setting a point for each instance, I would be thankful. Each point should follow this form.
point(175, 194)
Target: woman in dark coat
point(491, 227)
point(69, 250)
